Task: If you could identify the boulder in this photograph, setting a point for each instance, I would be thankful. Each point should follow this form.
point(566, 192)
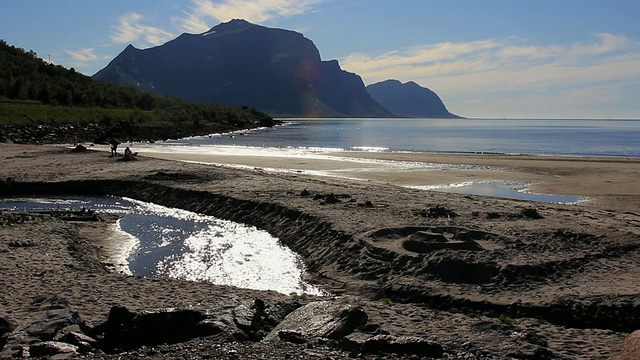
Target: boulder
point(402, 345)
point(128, 330)
point(125, 330)
point(48, 323)
point(317, 320)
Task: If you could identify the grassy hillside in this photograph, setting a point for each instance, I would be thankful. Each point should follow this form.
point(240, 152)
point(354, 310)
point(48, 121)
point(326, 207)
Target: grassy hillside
point(36, 94)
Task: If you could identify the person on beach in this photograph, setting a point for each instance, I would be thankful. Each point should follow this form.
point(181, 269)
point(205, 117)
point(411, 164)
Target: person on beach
point(114, 148)
point(128, 154)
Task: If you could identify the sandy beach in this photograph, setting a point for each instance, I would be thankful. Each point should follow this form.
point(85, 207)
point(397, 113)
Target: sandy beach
point(610, 182)
point(473, 277)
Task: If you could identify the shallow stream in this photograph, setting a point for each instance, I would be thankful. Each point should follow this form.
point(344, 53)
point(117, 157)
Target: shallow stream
point(157, 241)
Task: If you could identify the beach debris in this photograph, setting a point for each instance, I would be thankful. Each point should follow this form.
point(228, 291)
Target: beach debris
point(526, 213)
point(170, 176)
point(437, 211)
point(366, 204)
point(531, 213)
point(79, 148)
point(331, 198)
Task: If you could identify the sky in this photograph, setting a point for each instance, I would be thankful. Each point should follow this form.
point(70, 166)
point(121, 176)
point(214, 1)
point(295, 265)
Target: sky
point(484, 58)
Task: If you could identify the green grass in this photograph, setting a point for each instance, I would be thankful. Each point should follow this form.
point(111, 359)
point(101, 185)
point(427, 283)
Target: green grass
point(24, 113)
point(387, 301)
point(506, 319)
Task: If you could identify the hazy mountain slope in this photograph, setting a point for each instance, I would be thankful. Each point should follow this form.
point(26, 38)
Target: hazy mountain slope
point(408, 99)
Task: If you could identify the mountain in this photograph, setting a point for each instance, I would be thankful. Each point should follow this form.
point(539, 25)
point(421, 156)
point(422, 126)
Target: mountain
point(409, 99)
point(238, 63)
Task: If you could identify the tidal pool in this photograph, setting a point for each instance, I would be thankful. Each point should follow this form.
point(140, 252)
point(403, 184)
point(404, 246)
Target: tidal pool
point(158, 241)
point(509, 190)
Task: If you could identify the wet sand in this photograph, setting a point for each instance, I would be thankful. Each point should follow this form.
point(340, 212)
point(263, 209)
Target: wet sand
point(611, 182)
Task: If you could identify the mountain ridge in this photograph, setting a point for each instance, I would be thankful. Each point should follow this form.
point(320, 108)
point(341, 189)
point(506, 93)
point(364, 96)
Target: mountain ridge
point(238, 63)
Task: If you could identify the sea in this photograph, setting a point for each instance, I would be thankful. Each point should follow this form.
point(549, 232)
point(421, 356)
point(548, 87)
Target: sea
point(579, 137)
point(322, 137)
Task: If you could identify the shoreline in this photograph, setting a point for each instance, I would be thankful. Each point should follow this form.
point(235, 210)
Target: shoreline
point(586, 177)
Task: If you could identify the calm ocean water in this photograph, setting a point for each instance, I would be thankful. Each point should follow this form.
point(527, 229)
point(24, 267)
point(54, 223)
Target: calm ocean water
point(618, 138)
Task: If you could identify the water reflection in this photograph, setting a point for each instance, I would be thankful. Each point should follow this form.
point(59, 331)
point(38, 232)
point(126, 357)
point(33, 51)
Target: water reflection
point(159, 241)
point(509, 190)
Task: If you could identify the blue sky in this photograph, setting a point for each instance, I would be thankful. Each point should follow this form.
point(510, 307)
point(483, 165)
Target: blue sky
point(489, 58)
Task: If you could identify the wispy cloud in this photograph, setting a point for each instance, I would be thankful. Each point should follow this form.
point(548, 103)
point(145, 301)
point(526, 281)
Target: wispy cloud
point(511, 71)
point(131, 30)
point(195, 20)
point(81, 57)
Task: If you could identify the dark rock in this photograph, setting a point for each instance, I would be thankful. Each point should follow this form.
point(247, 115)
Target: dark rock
point(127, 330)
point(46, 327)
point(531, 213)
point(402, 345)
point(83, 342)
point(50, 348)
point(48, 323)
point(292, 336)
point(251, 319)
point(320, 319)
point(79, 148)
point(331, 199)
point(279, 311)
point(6, 327)
point(209, 327)
point(438, 211)
point(305, 192)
